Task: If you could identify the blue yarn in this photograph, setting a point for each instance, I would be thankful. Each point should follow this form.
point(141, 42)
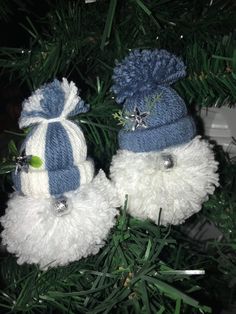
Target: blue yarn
point(64, 180)
point(34, 113)
point(168, 107)
point(53, 100)
point(58, 150)
point(143, 80)
point(156, 139)
point(17, 181)
point(59, 160)
point(144, 70)
point(81, 107)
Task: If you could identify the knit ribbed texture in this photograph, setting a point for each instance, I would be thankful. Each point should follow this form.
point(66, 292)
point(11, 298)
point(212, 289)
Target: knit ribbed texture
point(58, 142)
point(142, 80)
point(155, 139)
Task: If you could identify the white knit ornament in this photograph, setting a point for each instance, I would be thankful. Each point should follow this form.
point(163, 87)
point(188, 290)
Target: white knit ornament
point(60, 212)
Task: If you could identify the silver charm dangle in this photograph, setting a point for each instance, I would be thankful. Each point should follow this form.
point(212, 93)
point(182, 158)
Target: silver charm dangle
point(167, 161)
point(60, 207)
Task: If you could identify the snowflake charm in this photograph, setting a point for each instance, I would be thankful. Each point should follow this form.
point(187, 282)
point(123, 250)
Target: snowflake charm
point(137, 119)
point(22, 163)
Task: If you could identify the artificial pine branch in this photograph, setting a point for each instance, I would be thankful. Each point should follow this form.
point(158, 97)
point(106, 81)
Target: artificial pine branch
point(70, 38)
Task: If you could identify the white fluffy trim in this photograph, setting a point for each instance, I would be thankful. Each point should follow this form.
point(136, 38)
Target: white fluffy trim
point(36, 235)
point(179, 192)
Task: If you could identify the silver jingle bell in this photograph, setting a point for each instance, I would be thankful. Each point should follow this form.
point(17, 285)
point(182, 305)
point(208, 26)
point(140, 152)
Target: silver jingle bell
point(60, 207)
point(167, 161)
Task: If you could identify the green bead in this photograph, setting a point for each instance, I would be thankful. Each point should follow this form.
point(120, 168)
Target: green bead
point(35, 162)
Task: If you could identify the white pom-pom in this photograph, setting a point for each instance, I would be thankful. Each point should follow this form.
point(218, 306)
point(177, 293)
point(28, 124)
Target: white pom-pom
point(151, 185)
point(35, 234)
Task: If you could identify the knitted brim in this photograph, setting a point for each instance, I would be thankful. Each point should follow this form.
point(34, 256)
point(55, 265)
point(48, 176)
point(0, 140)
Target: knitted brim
point(36, 182)
point(155, 139)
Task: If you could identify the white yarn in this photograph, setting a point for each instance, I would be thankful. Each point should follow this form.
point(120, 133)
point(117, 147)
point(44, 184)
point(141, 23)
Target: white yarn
point(35, 144)
point(180, 191)
point(71, 96)
point(58, 119)
point(35, 183)
point(77, 141)
point(31, 104)
point(36, 235)
point(86, 170)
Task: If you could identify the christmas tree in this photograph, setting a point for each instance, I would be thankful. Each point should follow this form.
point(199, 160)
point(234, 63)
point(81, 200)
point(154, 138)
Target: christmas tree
point(143, 268)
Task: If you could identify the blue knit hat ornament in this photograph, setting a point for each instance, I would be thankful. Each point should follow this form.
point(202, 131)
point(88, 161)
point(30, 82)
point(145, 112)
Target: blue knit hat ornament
point(156, 113)
point(165, 169)
point(59, 212)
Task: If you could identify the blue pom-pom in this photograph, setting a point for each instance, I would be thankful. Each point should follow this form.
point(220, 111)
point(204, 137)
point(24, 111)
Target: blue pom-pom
point(144, 70)
point(51, 101)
